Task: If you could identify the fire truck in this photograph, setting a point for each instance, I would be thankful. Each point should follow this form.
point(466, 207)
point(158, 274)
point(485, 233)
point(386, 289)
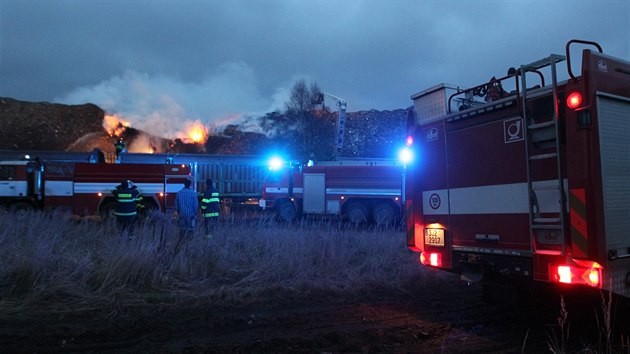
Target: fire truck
point(85, 188)
point(362, 190)
point(530, 183)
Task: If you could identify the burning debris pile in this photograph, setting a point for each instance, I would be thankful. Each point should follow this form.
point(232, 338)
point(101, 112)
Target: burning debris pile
point(82, 128)
point(57, 127)
point(191, 140)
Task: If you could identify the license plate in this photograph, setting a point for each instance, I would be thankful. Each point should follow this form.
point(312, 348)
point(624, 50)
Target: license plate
point(434, 237)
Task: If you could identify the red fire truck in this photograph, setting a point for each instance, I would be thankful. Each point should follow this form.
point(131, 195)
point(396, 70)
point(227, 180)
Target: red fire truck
point(85, 188)
point(532, 183)
point(362, 190)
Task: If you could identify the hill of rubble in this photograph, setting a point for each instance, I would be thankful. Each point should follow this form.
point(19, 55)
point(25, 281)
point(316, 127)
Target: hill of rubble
point(79, 128)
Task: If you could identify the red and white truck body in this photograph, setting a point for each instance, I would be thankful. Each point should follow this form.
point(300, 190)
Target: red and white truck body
point(533, 183)
point(361, 190)
point(85, 188)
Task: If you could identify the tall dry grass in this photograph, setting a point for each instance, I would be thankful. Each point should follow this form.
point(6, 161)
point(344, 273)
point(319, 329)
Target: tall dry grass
point(49, 259)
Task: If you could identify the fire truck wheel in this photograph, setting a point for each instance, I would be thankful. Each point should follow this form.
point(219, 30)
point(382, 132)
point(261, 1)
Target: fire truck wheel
point(356, 213)
point(383, 214)
point(287, 212)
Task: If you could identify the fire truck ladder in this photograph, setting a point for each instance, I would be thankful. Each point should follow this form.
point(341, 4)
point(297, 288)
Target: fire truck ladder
point(542, 142)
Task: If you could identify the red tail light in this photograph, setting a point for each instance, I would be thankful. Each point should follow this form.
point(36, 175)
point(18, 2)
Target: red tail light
point(574, 100)
point(409, 141)
point(431, 258)
point(586, 274)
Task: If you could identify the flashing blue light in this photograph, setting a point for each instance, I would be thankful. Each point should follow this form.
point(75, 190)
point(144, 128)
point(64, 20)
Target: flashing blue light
point(275, 163)
point(405, 156)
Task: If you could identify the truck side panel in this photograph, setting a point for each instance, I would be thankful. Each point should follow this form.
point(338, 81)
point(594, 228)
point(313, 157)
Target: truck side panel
point(614, 135)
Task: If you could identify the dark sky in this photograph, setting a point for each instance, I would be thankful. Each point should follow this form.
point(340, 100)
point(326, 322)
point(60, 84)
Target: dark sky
point(173, 61)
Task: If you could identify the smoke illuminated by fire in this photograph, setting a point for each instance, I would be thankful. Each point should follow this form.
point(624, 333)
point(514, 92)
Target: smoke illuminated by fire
point(114, 125)
point(194, 132)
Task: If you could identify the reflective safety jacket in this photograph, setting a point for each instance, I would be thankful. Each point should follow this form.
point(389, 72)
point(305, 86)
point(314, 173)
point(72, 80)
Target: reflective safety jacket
point(126, 200)
point(210, 203)
point(120, 145)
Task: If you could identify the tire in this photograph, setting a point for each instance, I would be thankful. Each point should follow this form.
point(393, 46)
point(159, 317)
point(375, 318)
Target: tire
point(356, 213)
point(287, 212)
point(384, 214)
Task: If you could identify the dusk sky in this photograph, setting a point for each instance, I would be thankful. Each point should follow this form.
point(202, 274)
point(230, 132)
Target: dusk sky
point(215, 61)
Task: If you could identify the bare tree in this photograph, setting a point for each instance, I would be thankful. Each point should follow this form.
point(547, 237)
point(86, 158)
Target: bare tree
point(300, 108)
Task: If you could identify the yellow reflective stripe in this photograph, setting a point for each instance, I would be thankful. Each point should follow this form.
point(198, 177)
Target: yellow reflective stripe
point(125, 214)
point(213, 200)
point(126, 200)
point(124, 195)
point(209, 215)
point(215, 195)
point(206, 200)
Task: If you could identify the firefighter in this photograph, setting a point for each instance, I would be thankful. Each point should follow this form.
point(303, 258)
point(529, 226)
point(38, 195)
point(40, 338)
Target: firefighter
point(120, 147)
point(210, 206)
point(127, 199)
point(187, 207)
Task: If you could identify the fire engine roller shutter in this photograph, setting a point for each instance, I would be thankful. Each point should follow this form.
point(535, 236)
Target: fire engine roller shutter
point(614, 133)
point(314, 193)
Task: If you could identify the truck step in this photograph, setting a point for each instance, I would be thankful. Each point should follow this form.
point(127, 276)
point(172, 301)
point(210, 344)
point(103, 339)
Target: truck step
point(549, 252)
point(542, 125)
point(553, 187)
point(547, 226)
point(547, 220)
point(543, 156)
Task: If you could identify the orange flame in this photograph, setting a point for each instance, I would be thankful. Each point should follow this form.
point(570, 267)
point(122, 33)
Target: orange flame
point(114, 125)
point(196, 132)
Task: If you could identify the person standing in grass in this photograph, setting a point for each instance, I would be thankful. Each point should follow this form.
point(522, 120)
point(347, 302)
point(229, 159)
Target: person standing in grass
point(210, 206)
point(187, 206)
point(127, 199)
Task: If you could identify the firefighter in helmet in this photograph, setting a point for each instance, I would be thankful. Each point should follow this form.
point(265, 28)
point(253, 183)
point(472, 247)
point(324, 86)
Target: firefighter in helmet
point(120, 146)
point(127, 199)
point(210, 206)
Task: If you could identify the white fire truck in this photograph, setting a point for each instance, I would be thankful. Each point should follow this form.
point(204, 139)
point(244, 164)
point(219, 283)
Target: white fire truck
point(533, 183)
point(85, 188)
point(361, 190)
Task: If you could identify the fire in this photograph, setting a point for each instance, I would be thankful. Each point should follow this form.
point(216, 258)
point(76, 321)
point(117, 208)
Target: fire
point(114, 125)
point(196, 132)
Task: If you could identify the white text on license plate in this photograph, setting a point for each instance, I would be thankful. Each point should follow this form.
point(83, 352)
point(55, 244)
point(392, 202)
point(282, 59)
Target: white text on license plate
point(434, 237)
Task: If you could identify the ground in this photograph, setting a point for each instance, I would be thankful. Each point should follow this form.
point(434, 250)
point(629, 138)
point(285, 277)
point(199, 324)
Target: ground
point(446, 318)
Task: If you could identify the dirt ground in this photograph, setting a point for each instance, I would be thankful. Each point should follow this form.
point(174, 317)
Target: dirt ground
point(446, 318)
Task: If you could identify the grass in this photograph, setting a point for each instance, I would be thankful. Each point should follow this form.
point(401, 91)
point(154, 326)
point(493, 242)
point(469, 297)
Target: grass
point(558, 335)
point(50, 260)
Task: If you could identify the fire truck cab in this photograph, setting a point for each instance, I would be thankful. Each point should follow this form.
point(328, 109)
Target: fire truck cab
point(362, 190)
point(20, 184)
point(530, 183)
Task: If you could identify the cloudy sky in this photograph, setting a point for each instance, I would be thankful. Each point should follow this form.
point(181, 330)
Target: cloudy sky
point(219, 60)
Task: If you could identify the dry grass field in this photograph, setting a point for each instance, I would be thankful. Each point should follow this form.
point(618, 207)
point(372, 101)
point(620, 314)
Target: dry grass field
point(255, 286)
